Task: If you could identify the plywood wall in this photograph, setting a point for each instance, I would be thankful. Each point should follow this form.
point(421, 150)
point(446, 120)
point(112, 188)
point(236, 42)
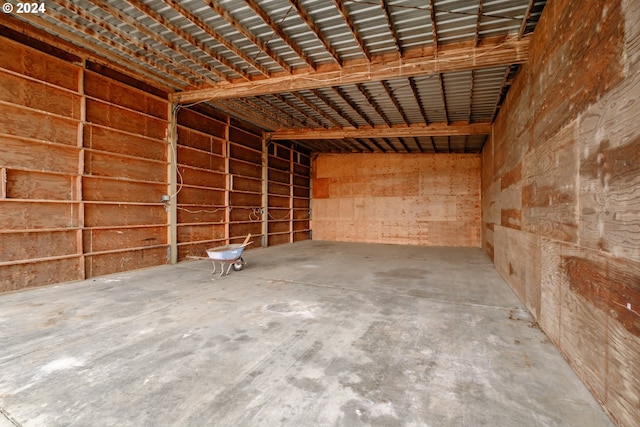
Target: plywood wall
point(561, 206)
point(84, 163)
point(41, 214)
point(422, 199)
point(288, 190)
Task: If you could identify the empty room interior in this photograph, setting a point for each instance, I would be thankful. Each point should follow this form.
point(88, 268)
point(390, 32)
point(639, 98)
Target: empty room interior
point(320, 213)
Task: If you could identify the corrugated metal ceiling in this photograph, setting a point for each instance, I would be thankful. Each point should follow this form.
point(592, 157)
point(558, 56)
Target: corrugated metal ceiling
point(188, 46)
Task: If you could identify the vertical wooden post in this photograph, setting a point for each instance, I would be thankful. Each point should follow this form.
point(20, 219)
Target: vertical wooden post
point(228, 182)
point(76, 191)
point(291, 193)
point(3, 183)
point(265, 191)
point(172, 172)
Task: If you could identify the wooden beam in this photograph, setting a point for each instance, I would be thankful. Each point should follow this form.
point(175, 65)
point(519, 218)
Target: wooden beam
point(434, 129)
point(186, 36)
point(127, 19)
point(526, 17)
point(335, 107)
point(476, 37)
point(418, 99)
point(432, 15)
point(248, 34)
point(315, 108)
point(392, 28)
point(442, 60)
point(373, 103)
point(443, 97)
point(345, 97)
point(342, 8)
point(253, 4)
point(143, 47)
point(297, 4)
point(177, 6)
point(399, 109)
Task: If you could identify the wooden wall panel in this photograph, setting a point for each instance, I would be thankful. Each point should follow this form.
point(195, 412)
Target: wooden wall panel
point(33, 124)
point(109, 263)
point(22, 184)
point(30, 274)
point(112, 239)
point(19, 215)
point(396, 198)
point(122, 215)
point(30, 62)
point(39, 96)
point(32, 245)
point(40, 208)
point(560, 200)
point(116, 117)
point(116, 166)
point(117, 190)
point(114, 92)
point(84, 160)
point(109, 140)
point(37, 155)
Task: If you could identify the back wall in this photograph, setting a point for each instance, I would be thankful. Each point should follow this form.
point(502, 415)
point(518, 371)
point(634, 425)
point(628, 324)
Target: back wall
point(415, 199)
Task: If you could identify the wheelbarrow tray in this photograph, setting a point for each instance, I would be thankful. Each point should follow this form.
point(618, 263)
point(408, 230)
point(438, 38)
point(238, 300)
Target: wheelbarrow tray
point(226, 253)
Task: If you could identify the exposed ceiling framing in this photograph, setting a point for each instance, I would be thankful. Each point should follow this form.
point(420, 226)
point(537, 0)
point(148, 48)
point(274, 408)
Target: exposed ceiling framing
point(340, 75)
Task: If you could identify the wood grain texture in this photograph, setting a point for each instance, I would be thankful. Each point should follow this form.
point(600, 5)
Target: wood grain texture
point(101, 240)
point(115, 92)
point(27, 123)
point(105, 139)
point(39, 96)
point(109, 263)
point(32, 274)
point(40, 66)
point(29, 245)
point(116, 117)
point(571, 121)
point(550, 187)
point(22, 184)
point(610, 195)
point(406, 199)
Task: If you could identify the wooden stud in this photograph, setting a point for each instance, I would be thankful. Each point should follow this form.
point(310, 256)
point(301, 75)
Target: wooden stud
point(172, 172)
point(265, 190)
point(3, 183)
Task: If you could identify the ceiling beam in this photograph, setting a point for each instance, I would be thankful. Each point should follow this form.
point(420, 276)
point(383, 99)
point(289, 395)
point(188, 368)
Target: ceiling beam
point(434, 129)
point(248, 34)
point(182, 10)
point(444, 59)
point(342, 8)
point(127, 19)
point(392, 28)
point(316, 30)
point(253, 4)
point(186, 36)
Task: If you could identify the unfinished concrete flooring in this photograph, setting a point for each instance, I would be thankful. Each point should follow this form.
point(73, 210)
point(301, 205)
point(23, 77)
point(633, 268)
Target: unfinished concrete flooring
point(309, 334)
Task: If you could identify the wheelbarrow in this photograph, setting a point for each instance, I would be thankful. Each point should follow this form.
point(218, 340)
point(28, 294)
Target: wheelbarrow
point(229, 256)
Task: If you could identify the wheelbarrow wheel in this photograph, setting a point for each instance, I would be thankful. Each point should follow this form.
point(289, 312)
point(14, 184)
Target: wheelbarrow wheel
point(238, 265)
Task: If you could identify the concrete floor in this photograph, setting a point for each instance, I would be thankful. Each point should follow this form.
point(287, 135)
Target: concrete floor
point(310, 334)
